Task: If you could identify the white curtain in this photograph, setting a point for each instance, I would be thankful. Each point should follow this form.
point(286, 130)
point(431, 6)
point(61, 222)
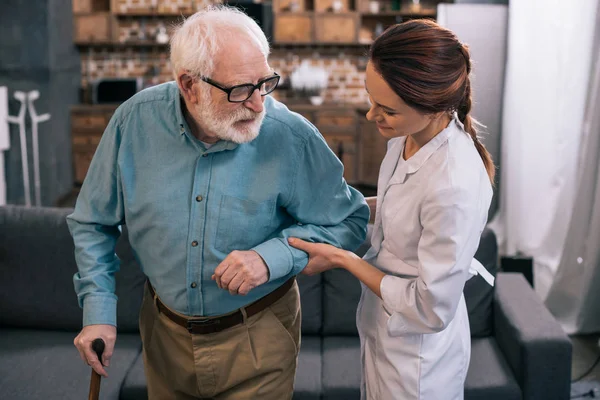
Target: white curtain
point(574, 296)
point(547, 76)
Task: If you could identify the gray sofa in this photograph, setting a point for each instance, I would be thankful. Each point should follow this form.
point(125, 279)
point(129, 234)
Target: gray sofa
point(518, 349)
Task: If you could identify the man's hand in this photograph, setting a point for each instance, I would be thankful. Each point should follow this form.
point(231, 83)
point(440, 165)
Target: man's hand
point(241, 271)
point(84, 340)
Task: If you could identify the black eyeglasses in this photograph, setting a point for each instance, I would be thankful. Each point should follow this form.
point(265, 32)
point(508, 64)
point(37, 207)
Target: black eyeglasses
point(241, 93)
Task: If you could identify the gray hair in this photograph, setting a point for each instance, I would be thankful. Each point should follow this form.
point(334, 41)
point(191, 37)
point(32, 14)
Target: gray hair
point(199, 38)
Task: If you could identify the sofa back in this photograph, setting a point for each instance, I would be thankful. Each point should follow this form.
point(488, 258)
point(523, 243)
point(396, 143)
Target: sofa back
point(341, 293)
point(37, 265)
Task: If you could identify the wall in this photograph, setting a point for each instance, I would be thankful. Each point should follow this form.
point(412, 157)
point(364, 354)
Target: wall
point(38, 54)
point(345, 67)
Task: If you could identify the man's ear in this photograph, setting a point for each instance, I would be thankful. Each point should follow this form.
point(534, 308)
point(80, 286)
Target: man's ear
point(186, 85)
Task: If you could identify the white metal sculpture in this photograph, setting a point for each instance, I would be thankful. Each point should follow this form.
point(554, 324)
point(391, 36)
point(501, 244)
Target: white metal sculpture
point(35, 120)
point(4, 140)
point(26, 100)
point(20, 120)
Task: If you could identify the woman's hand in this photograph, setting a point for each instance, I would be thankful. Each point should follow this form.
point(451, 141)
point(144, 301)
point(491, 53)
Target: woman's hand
point(322, 257)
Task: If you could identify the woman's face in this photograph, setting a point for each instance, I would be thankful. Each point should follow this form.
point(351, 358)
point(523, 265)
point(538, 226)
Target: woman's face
point(394, 118)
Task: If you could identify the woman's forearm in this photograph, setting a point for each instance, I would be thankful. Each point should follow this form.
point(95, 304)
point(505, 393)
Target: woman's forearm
point(362, 270)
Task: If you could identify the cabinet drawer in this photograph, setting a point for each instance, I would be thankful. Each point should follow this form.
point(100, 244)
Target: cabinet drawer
point(293, 28)
point(88, 6)
point(335, 28)
point(326, 119)
point(345, 148)
point(85, 140)
point(332, 5)
point(372, 150)
point(96, 27)
point(89, 121)
point(289, 6)
point(185, 7)
point(81, 163)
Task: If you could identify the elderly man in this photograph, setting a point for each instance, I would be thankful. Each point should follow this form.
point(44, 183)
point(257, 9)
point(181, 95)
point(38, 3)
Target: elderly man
point(211, 176)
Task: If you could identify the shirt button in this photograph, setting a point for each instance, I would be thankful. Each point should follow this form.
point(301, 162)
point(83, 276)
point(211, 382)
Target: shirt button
point(198, 198)
point(204, 155)
point(194, 243)
point(193, 285)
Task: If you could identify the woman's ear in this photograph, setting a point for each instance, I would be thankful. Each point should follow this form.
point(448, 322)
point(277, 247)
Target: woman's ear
point(186, 85)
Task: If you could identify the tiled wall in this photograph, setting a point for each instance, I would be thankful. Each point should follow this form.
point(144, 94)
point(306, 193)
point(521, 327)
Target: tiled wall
point(345, 67)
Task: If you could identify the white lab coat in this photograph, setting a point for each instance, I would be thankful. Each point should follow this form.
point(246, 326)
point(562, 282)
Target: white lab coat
point(431, 211)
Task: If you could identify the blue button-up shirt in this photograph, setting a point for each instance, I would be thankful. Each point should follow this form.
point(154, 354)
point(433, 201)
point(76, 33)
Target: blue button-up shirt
point(187, 207)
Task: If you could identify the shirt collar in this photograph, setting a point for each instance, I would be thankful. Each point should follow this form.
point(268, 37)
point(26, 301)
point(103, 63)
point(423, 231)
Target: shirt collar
point(413, 164)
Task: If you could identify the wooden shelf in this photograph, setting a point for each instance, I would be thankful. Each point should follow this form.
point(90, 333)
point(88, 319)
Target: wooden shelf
point(402, 13)
point(121, 44)
point(146, 14)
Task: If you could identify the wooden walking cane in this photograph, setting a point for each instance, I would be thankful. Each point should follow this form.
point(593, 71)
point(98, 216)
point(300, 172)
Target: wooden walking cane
point(98, 347)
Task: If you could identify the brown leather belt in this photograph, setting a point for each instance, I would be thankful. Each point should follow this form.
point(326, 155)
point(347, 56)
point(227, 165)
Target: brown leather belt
point(216, 324)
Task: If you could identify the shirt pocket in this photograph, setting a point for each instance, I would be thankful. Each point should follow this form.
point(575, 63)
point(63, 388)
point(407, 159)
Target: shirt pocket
point(243, 224)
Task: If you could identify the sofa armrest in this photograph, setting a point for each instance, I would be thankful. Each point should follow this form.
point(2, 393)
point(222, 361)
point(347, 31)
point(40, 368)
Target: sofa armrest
point(534, 344)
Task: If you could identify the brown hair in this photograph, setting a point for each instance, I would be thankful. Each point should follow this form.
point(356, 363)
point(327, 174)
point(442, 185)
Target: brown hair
point(428, 67)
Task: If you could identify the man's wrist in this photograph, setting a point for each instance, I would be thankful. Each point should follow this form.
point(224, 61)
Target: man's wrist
point(264, 264)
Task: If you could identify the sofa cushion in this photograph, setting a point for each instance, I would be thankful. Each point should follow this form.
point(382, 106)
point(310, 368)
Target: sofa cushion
point(341, 368)
point(311, 293)
point(489, 376)
point(37, 254)
point(341, 293)
point(46, 365)
point(134, 385)
point(308, 374)
point(478, 294)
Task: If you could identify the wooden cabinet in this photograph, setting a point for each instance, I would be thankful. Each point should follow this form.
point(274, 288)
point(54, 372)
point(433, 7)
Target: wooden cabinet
point(336, 28)
point(344, 22)
point(294, 28)
point(94, 28)
point(87, 126)
point(333, 6)
point(291, 6)
point(354, 140)
point(90, 6)
point(345, 148)
point(338, 127)
point(372, 150)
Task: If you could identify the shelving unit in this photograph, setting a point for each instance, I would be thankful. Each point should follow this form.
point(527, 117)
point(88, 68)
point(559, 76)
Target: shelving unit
point(301, 27)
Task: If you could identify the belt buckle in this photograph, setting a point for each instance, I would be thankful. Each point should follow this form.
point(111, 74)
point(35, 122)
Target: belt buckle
point(206, 322)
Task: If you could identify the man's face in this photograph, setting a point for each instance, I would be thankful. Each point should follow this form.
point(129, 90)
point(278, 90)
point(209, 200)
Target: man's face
point(236, 64)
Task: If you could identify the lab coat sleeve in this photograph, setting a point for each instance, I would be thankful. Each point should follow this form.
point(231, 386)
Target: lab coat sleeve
point(450, 235)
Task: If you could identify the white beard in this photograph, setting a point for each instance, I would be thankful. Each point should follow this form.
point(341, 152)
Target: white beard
point(227, 126)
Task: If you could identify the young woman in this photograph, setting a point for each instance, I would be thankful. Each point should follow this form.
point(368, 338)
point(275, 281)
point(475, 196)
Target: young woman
point(434, 191)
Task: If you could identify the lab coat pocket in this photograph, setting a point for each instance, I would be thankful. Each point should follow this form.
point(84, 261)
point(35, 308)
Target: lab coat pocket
point(243, 223)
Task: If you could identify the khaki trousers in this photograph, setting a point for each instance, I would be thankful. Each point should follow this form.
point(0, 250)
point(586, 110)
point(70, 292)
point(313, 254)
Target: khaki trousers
point(256, 359)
